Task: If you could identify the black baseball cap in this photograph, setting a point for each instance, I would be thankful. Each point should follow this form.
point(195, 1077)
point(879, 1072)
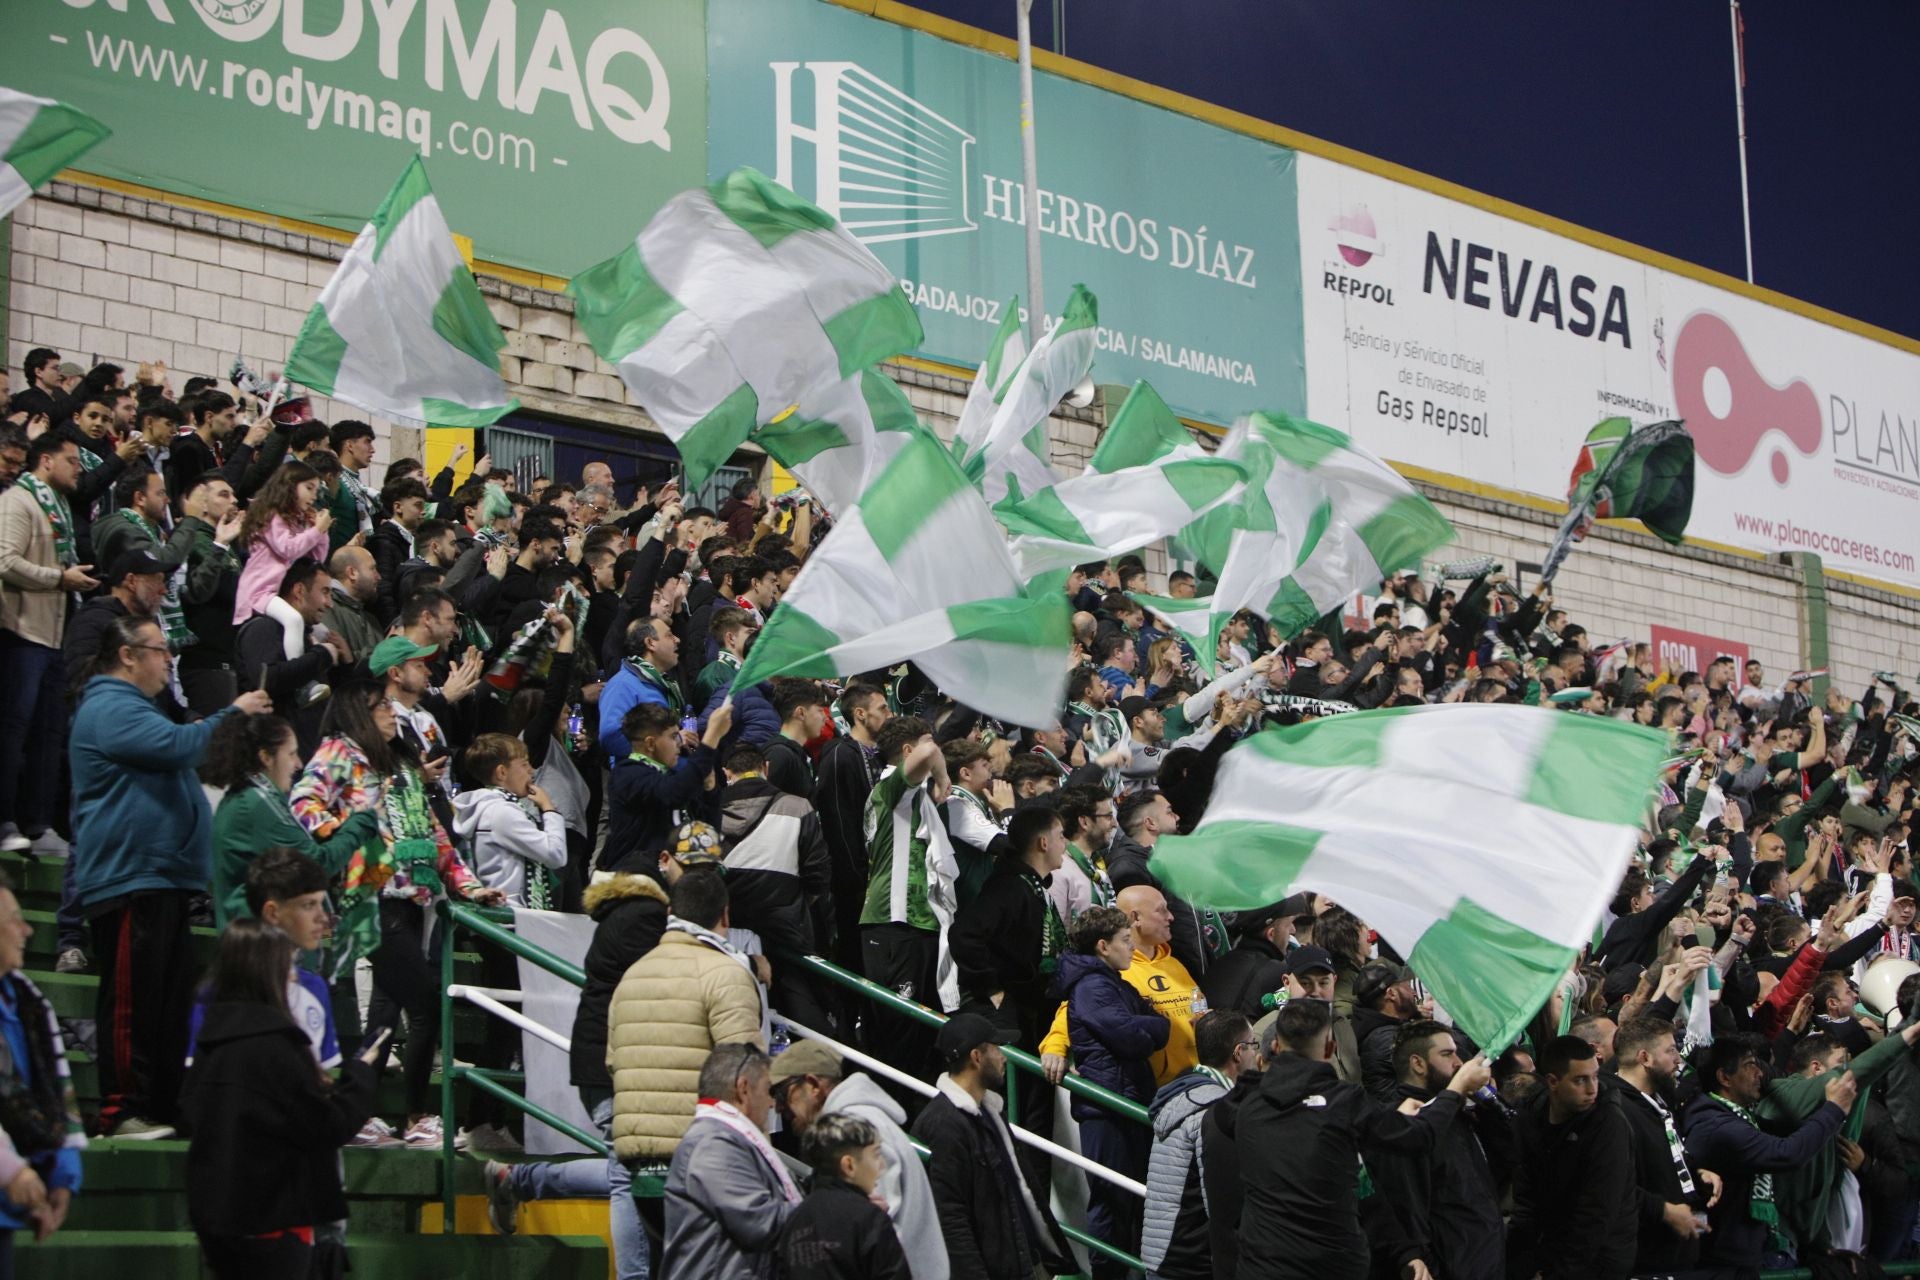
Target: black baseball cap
point(965, 1032)
point(132, 562)
point(1376, 978)
point(1309, 959)
point(1135, 706)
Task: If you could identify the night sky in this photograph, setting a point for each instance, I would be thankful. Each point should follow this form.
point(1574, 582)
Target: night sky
point(1619, 117)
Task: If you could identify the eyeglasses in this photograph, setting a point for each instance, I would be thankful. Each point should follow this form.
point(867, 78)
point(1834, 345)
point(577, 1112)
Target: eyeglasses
point(1250, 1044)
point(157, 648)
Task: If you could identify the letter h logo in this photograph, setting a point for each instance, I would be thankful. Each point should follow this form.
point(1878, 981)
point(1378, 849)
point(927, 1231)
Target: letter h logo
point(888, 167)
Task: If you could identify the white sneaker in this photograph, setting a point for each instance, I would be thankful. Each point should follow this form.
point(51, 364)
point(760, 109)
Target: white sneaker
point(375, 1133)
point(425, 1131)
point(11, 841)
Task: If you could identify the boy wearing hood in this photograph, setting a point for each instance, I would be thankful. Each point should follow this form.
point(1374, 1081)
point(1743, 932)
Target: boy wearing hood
point(517, 837)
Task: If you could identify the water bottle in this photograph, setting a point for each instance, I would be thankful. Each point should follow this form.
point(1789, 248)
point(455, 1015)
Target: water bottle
point(576, 725)
point(1198, 1004)
point(779, 1038)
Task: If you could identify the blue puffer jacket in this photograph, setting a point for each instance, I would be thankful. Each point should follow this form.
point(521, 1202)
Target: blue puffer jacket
point(1112, 1030)
point(755, 722)
point(140, 818)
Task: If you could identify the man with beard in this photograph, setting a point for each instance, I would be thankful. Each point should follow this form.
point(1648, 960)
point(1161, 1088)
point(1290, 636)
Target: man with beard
point(1670, 1186)
point(1448, 1200)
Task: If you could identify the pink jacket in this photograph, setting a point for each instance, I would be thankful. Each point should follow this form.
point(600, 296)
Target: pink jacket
point(269, 557)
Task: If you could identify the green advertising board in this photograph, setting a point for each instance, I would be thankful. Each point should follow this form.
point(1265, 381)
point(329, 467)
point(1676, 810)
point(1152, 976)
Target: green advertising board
point(1188, 233)
point(551, 128)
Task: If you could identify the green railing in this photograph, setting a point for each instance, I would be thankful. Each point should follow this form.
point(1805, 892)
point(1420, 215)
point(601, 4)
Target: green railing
point(487, 923)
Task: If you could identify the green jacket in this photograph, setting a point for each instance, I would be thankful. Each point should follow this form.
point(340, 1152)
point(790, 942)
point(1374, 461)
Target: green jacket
point(1793, 828)
point(249, 821)
point(348, 618)
point(119, 533)
point(346, 517)
point(1803, 1194)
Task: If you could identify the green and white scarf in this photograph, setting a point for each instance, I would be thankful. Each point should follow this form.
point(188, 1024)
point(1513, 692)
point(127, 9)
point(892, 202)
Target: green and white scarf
point(171, 619)
point(669, 688)
point(54, 507)
point(1760, 1205)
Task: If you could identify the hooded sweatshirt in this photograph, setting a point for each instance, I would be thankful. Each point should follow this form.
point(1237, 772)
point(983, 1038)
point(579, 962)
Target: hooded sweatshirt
point(1174, 1238)
point(505, 838)
point(904, 1184)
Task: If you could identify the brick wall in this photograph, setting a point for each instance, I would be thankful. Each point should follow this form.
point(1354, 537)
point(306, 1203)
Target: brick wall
point(101, 276)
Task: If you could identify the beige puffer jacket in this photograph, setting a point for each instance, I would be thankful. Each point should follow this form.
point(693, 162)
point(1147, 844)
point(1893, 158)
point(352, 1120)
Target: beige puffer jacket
point(675, 1004)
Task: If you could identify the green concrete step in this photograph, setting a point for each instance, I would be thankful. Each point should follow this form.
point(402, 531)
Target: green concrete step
point(175, 1255)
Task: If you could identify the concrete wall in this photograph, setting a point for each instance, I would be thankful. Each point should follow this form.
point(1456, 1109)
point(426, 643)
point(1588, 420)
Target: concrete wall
point(101, 276)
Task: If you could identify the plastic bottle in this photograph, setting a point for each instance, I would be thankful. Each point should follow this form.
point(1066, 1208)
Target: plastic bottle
point(1198, 1005)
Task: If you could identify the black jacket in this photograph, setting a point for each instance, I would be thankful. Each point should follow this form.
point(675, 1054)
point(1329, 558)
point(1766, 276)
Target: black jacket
point(94, 485)
point(1220, 1174)
point(1127, 864)
point(1373, 1034)
point(1238, 979)
point(1638, 937)
point(986, 1211)
point(261, 661)
point(390, 549)
point(1575, 1212)
point(996, 942)
point(1300, 1138)
point(1656, 1183)
point(1448, 1202)
point(839, 1234)
point(646, 805)
point(788, 767)
point(629, 916)
point(777, 875)
point(841, 783)
point(1734, 1149)
point(267, 1128)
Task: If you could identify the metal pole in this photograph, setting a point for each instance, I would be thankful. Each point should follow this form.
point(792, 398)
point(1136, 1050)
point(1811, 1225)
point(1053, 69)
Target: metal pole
point(1036, 297)
point(1740, 117)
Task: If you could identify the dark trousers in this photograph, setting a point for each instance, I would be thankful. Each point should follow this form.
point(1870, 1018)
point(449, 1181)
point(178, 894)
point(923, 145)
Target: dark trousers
point(906, 961)
point(1114, 1215)
point(407, 972)
point(141, 952)
point(283, 1257)
point(70, 923)
point(33, 721)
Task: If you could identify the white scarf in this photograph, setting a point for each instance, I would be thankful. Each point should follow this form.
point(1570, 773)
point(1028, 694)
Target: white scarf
point(293, 627)
point(719, 943)
point(729, 1115)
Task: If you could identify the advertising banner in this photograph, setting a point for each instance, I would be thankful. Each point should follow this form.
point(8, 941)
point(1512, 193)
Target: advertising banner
point(550, 131)
point(1450, 338)
point(1183, 230)
point(1691, 651)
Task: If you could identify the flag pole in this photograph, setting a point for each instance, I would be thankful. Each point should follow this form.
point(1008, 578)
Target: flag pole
point(1030, 208)
point(1740, 118)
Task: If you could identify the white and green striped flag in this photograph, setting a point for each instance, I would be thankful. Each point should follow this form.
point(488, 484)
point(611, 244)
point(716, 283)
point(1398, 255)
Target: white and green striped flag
point(733, 305)
point(919, 570)
point(1323, 518)
point(990, 381)
point(1482, 841)
point(1108, 510)
point(841, 435)
point(38, 138)
point(1143, 430)
point(1013, 458)
point(401, 328)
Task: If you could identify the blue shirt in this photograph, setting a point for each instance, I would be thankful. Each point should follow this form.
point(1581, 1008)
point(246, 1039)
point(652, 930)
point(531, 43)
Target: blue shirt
point(56, 1168)
point(627, 690)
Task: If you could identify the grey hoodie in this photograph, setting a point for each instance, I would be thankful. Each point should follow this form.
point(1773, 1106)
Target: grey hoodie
point(904, 1185)
point(504, 839)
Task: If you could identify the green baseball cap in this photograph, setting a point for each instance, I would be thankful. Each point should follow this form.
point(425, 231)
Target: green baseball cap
point(393, 651)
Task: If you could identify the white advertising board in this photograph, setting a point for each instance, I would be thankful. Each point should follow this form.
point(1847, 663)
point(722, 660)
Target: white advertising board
point(1447, 337)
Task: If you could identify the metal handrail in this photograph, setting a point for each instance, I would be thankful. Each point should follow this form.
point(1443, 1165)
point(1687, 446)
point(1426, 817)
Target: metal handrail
point(487, 923)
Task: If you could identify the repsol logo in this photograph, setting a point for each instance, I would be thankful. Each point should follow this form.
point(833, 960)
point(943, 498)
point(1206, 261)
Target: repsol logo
point(1354, 287)
point(1527, 290)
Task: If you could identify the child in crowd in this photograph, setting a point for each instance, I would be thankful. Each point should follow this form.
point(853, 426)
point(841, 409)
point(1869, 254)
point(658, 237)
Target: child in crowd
point(838, 1232)
point(517, 836)
point(288, 890)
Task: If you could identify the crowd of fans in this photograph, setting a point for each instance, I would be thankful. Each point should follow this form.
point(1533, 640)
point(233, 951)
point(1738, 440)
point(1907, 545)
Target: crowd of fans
point(400, 695)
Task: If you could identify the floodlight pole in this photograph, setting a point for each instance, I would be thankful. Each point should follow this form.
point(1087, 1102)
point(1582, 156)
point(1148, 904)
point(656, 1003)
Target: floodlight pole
point(1740, 118)
point(1030, 209)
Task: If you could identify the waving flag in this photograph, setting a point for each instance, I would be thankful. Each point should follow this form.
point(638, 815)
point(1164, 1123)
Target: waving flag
point(38, 138)
point(839, 437)
point(734, 305)
point(401, 328)
point(1626, 472)
point(990, 381)
point(1142, 483)
point(1322, 519)
point(1482, 841)
point(1012, 458)
point(919, 570)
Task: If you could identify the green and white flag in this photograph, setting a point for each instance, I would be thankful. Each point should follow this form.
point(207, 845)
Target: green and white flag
point(1094, 516)
point(919, 570)
point(1322, 519)
point(1482, 841)
point(735, 304)
point(841, 435)
point(401, 328)
point(990, 382)
point(1013, 459)
point(1143, 430)
point(38, 138)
